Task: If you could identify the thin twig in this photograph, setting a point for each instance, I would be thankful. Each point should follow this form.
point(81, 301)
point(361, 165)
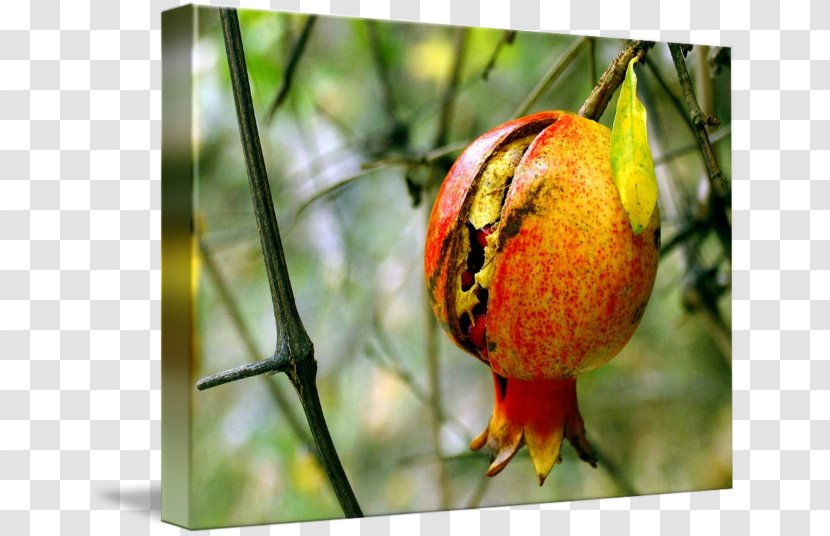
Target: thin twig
point(718, 185)
point(434, 375)
point(716, 179)
point(425, 159)
point(677, 103)
point(478, 494)
point(214, 272)
point(721, 134)
point(376, 49)
point(293, 60)
point(431, 347)
point(464, 455)
point(326, 190)
point(292, 339)
point(448, 98)
point(345, 129)
point(694, 227)
point(611, 79)
point(271, 365)
point(294, 352)
point(613, 471)
point(507, 38)
point(717, 329)
point(556, 70)
point(698, 294)
point(675, 197)
point(368, 168)
point(394, 364)
point(396, 133)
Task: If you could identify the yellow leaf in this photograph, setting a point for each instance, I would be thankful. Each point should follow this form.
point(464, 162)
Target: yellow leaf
point(631, 161)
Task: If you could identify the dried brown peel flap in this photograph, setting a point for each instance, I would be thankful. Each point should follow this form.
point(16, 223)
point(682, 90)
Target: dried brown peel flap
point(575, 432)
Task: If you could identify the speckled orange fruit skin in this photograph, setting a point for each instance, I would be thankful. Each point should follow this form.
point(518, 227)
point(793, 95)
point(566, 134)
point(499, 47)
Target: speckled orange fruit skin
point(441, 260)
point(571, 279)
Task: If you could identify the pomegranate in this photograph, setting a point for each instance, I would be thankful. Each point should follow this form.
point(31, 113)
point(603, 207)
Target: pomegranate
point(532, 266)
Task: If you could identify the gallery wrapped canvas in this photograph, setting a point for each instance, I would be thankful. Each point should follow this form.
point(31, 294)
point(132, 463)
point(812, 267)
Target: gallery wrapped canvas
point(410, 267)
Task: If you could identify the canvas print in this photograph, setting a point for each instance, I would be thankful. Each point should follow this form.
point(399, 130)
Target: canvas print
point(416, 267)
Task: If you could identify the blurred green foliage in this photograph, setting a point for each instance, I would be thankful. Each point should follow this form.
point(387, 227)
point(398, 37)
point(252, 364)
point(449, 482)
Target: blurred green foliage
point(660, 413)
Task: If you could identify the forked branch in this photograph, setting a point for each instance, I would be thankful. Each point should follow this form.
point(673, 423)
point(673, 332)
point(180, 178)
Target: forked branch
point(294, 353)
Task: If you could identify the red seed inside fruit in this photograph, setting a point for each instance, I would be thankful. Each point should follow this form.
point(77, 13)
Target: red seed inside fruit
point(474, 326)
point(482, 234)
point(467, 280)
point(475, 257)
point(478, 333)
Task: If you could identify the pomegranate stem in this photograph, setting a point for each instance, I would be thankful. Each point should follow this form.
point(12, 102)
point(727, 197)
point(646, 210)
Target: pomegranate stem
point(611, 79)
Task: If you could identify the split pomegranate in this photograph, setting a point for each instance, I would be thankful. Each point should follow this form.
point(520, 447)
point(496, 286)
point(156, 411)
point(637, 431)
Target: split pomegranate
point(532, 267)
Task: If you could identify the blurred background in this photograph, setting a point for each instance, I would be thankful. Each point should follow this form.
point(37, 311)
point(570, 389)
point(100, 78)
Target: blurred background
point(355, 147)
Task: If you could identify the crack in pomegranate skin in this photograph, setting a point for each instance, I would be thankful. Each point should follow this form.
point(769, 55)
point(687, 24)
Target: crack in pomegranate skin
point(477, 330)
point(451, 209)
point(497, 175)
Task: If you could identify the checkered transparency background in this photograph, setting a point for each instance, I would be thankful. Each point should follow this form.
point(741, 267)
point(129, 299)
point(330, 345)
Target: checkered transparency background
point(80, 267)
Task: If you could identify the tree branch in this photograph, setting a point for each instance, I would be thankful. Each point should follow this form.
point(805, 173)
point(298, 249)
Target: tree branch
point(437, 406)
point(550, 77)
point(613, 470)
point(387, 358)
point(507, 38)
point(612, 78)
point(699, 121)
point(718, 185)
point(294, 352)
point(292, 340)
point(376, 50)
point(673, 98)
point(431, 347)
point(396, 133)
point(293, 60)
point(720, 135)
point(702, 289)
point(271, 365)
point(478, 493)
point(448, 98)
point(326, 190)
point(226, 297)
